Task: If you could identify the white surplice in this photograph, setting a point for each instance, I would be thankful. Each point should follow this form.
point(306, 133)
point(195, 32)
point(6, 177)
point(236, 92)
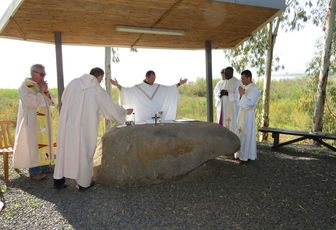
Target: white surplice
point(227, 106)
point(147, 100)
point(83, 100)
point(26, 140)
point(246, 124)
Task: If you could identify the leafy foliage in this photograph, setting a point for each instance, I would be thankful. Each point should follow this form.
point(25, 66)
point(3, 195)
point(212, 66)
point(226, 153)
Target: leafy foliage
point(313, 71)
point(253, 52)
point(296, 14)
point(318, 12)
point(307, 101)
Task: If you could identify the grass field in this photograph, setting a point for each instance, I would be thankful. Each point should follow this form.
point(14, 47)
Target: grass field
point(288, 107)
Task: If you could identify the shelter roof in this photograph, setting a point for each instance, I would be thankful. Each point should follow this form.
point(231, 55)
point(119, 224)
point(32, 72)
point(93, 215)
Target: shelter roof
point(91, 22)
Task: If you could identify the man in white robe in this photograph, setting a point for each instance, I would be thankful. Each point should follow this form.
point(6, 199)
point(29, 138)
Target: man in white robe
point(226, 98)
point(83, 100)
point(33, 145)
point(246, 125)
point(149, 98)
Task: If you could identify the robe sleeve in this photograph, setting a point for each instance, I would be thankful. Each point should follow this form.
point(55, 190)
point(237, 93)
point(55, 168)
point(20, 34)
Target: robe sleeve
point(169, 105)
point(109, 109)
point(128, 97)
point(249, 101)
point(31, 99)
point(236, 92)
point(217, 90)
point(147, 100)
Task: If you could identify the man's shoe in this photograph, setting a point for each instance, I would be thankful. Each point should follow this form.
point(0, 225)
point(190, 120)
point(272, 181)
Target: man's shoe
point(82, 189)
point(38, 177)
point(60, 183)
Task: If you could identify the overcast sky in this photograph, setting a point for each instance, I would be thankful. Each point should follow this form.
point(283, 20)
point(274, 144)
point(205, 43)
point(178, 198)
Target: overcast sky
point(295, 50)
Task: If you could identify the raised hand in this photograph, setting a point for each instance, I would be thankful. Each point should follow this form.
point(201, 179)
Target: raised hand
point(129, 111)
point(183, 81)
point(43, 86)
point(115, 83)
point(241, 91)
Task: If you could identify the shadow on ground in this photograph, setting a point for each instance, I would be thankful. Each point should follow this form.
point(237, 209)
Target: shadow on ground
point(292, 188)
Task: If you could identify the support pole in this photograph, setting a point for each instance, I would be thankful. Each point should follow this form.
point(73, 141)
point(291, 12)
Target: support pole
point(107, 80)
point(59, 67)
point(208, 60)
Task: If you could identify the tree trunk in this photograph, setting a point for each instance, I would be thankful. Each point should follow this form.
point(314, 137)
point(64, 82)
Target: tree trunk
point(267, 82)
point(325, 62)
point(107, 80)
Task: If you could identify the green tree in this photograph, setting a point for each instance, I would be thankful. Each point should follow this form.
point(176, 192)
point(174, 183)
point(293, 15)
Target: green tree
point(322, 62)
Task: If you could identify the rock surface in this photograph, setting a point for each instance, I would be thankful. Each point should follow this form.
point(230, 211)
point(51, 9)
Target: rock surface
point(149, 154)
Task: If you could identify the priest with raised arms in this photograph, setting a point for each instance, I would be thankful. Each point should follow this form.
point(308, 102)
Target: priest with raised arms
point(149, 98)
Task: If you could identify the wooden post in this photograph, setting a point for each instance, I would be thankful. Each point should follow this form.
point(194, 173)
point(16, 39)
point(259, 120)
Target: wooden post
point(59, 67)
point(208, 61)
point(107, 80)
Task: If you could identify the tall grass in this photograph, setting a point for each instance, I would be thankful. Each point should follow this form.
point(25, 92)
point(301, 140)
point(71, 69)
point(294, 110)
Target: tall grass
point(287, 105)
point(285, 110)
point(8, 104)
point(192, 107)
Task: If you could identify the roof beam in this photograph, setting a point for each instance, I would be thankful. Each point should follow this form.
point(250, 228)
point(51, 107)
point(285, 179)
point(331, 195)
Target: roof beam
point(9, 13)
point(275, 4)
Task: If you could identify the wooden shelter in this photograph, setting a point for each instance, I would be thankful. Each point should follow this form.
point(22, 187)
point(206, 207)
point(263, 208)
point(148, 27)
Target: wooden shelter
point(172, 24)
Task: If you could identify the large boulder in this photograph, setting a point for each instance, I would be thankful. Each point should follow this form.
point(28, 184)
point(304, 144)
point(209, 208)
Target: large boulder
point(148, 154)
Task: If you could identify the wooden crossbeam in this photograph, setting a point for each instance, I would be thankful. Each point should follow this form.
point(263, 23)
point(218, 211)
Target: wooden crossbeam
point(316, 136)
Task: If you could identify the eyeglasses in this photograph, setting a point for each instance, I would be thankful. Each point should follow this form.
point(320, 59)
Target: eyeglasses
point(42, 74)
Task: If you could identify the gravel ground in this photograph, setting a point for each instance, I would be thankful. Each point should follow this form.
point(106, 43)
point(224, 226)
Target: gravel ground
point(292, 188)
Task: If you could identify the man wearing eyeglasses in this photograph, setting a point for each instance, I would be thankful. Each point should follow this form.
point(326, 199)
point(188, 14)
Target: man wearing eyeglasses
point(34, 146)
